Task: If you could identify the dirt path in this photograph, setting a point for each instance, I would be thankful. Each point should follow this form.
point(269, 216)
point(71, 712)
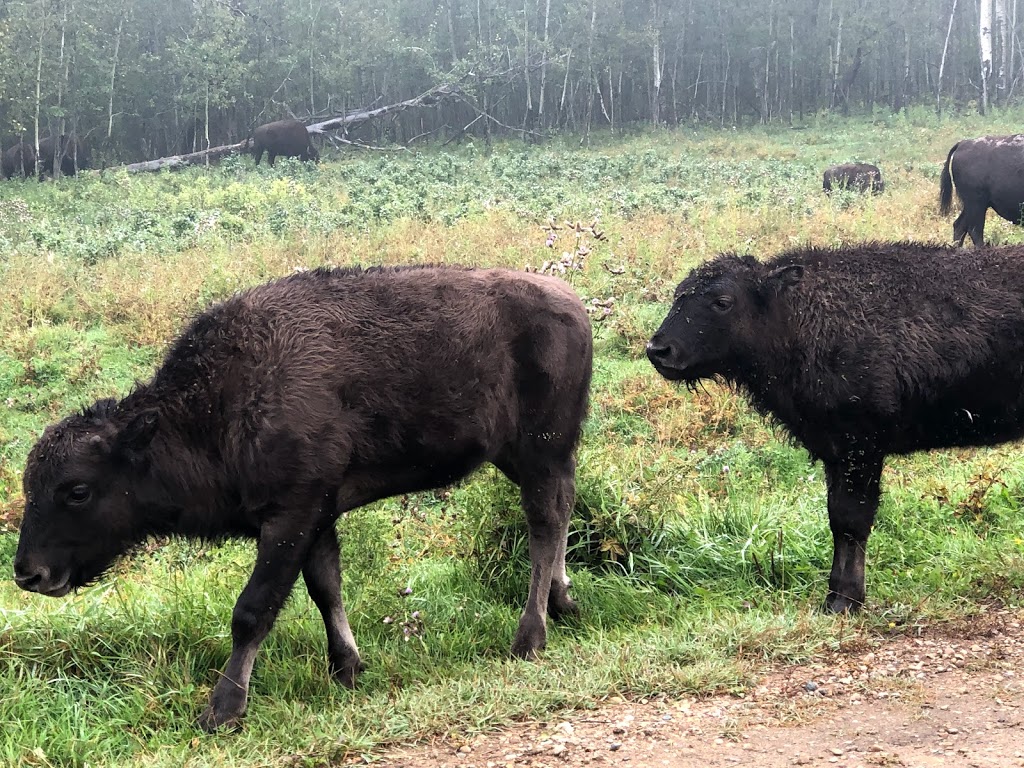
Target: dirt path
point(951, 696)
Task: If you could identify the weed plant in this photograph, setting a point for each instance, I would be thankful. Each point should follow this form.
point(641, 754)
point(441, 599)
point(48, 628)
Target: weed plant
point(699, 546)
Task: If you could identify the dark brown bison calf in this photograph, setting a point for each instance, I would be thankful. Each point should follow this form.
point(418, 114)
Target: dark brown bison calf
point(71, 154)
point(283, 407)
point(856, 177)
point(19, 159)
point(288, 138)
point(988, 172)
point(860, 353)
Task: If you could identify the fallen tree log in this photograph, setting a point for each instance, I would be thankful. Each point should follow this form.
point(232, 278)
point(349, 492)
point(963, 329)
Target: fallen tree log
point(342, 123)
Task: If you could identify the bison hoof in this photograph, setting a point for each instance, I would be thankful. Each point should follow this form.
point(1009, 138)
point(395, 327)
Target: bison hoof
point(530, 639)
point(562, 607)
point(836, 603)
point(347, 672)
point(211, 720)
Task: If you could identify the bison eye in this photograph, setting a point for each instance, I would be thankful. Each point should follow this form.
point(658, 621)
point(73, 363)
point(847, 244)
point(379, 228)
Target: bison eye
point(723, 303)
point(79, 494)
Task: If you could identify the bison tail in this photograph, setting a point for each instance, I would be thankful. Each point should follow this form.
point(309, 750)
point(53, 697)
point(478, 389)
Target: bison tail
point(946, 184)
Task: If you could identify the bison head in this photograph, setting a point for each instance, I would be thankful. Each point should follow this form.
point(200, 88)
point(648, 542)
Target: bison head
point(719, 318)
point(82, 485)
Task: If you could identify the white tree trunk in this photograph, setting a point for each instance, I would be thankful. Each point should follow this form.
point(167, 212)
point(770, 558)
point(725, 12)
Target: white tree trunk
point(113, 72)
point(1004, 45)
point(942, 61)
point(544, 60)
point(985, 41)
point(657, 66)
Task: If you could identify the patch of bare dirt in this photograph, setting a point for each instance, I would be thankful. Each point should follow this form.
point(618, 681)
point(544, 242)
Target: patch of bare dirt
point(951, 695)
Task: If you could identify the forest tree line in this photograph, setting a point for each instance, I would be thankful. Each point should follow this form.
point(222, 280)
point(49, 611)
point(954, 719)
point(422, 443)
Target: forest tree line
point(148, 78)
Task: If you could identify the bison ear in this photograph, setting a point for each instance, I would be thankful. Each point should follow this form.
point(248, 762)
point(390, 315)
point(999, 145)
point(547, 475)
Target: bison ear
point(785, 277)
point(134, 439)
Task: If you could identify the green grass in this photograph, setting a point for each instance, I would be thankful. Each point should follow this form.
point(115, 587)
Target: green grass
point(699, 546)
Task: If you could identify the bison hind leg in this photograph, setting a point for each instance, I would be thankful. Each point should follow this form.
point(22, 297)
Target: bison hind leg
point(560, 604)
point(322, 574)
point(547, 490)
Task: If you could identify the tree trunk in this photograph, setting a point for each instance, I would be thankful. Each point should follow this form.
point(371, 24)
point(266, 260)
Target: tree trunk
point(1004, 45)
point(985, 41)
point(835, 67)
point(113, 73)
point(656, 65)
point(544, 63)
point(942, 61)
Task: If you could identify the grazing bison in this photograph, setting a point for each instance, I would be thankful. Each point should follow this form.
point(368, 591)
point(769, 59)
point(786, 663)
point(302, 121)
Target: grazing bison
point(288, 138)
point(859, 353)
point(19, 159)
point(988, 172)
point(283, 407)
point(70, 151)
point(857, 177)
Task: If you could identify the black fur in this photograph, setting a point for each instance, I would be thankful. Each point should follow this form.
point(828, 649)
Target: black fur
point(988, 172)
point(857, 177)
point(281, 408)
point(288, 138)
point(860, 353)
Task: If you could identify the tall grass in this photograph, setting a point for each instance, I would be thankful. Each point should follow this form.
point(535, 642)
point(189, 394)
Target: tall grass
point(699, 546)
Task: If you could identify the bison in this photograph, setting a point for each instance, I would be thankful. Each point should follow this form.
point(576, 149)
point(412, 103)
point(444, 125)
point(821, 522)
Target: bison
point(859, 352)
point(70, 151)
point(281, 408)
point(988, 172)
point(857, 177)
point(288, 138)
point(19, 159)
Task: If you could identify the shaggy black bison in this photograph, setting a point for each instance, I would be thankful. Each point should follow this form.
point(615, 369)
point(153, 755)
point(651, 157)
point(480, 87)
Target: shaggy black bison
point(988, 172)
point(859, 353)
point(70, 151)
point(18, 160)
point(288, 138)
point(279, 409)
point(856, 177)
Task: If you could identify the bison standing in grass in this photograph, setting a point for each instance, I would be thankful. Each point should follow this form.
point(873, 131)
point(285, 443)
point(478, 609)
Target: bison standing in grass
point(856, 177)
point(860, 353)
point(987, 172)
point(281, 408)
point(288, 138)
point(19, 160)
point(70, 152)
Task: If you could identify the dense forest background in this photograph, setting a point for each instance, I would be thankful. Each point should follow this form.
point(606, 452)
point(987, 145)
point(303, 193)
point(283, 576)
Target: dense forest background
point(148, 78)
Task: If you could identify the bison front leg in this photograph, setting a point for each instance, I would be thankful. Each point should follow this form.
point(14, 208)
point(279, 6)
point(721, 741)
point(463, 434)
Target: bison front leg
point(853, 493)
point(547, 515)
point(282, 550)
point(322, 573)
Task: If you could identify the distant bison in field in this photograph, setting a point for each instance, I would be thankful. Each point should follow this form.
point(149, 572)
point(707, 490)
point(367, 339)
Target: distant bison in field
point(285, 406)
point(288, 138)
point(70, 151)
point(856, 177)
point(988, 172)
point(860, 353)
point(19, 159)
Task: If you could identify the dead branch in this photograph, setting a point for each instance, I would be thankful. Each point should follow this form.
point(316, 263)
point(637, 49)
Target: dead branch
point(344, 122)
point(203, 157)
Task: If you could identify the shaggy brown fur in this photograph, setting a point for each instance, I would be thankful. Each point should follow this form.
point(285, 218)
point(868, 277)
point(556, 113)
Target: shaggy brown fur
point(857, 177)
point(288, 138)
point(283, 407)
point(860, 352)
point(988, 172)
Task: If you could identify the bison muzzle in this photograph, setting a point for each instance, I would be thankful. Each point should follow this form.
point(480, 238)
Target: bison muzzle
point(283, 407)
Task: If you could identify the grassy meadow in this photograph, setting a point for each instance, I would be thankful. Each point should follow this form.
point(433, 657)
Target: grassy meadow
point(700, 544)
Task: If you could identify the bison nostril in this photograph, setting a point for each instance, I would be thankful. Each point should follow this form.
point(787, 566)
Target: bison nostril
point(658, 350)
point(30, 580)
